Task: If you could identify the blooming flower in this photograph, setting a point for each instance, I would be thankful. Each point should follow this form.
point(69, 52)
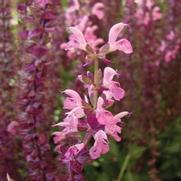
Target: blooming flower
point(72, 152)
point(70, 124)
point(121, 44)
point(113, 88)
point(73, 103)
point(100, 145)
point(77, 40)
point(110, 122)
point(80, 41)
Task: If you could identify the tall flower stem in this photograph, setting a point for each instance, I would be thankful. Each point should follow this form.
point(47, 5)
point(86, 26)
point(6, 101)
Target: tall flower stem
point(96, 67)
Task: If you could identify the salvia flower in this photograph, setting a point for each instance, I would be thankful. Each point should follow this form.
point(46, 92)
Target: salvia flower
point(78, 41)
point(121, 44)
point(113, 88)
point(86, 114)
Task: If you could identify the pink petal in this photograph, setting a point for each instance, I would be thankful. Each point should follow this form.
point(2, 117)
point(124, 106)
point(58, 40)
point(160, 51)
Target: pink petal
point(100, 103)
point(156, 14)
point(124, 45)
point(73, 151)
point(100, 145)
point(58, 137)
point(109, 74)
point(108, 95)
point(12, 127)
point(121, 115)
point(106, 118)
point(70, 123)
point(117, 92)
point(74, 100)
point(77, 112)
point(78, 38)
point(103, 116)
point(115, 31)
point(113, 130)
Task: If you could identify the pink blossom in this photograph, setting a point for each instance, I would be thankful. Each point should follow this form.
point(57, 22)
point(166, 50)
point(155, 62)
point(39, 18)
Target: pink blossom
point(114, 89)
point(98, 10)
point(58, 136)
point(12, 127)
point(156, 14)
point(163, 46)
point(100, 145)
point(73, 103)
point(70, 125)
point(121, 44)
point(72, 152)
point(171, 35)
point(77, 40)
point(91, 38)
point(110, 122)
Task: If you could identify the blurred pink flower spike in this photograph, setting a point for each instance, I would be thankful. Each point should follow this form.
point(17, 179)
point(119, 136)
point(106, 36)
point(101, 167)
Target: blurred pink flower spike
point(100, 146)
point(122, 44)
point(114, 89)
point(77, 40)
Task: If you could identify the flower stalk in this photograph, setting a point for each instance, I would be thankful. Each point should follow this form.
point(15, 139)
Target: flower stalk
point(96, 83)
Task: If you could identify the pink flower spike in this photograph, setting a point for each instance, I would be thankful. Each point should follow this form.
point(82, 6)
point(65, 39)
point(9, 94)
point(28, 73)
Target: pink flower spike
point(98, 10)
point(122, 44)
point(77, 40)
point(100, 146)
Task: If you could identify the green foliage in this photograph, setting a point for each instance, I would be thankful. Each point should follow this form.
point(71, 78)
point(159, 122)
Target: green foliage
point(170, 149)
point(64, 3)
point(117, 165)
point(120, 163)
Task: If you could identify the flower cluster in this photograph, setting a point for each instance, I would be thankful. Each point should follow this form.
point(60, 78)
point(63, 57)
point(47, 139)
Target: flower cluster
point(34, 96)
point(8, 68)
point(147, 11)
point(81, 16)
point(88, 114)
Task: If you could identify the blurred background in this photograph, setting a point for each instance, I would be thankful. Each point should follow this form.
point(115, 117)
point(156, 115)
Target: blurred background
point(34, 69)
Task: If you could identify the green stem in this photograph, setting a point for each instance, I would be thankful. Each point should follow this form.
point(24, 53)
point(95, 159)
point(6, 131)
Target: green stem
point(96, 66)
point(125, 164)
